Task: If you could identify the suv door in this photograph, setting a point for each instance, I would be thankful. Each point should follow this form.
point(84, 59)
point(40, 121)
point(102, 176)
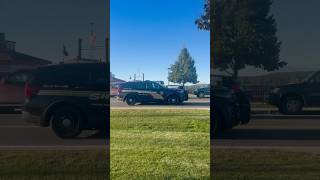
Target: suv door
point(156, 91)
point(143, 92)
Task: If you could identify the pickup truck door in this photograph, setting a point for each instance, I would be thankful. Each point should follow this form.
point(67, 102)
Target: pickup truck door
point(312, 90)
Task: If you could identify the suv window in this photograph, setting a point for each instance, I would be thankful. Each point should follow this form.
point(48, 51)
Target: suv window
point(153, 85)
point(64, 75)
point(141, 85)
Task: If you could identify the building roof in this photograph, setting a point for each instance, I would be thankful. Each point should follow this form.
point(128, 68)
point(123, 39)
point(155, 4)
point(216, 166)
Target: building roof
point(116, 80)
point(20, 59)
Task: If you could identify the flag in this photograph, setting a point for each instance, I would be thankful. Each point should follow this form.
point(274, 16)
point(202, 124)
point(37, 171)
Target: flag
point(64, 51)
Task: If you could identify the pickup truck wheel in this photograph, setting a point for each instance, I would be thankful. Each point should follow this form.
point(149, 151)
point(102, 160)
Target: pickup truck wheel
point(67, 122)
point(291, 105)
point(173, 100)
point(131, 100)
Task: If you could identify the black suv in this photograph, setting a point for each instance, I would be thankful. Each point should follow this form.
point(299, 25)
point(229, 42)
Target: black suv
point(149, 92)
point(202, 92)
point(231, 106)
point(291, 98)
point(69, 97)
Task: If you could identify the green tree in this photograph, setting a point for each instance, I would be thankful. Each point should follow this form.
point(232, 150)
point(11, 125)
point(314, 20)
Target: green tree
point(183, 70)
point(243, 34)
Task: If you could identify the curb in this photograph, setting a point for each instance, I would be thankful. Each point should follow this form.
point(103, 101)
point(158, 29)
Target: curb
point(278, 116)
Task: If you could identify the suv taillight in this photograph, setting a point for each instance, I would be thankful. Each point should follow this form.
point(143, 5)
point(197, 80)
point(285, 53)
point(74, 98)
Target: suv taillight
point(30, 90)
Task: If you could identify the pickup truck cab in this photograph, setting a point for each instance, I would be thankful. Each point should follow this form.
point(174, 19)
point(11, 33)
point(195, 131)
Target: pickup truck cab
point(291, 98)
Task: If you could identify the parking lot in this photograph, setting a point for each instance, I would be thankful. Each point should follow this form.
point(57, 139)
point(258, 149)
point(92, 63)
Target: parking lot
point(292, 133)
point(16, 134)
point(265, 131)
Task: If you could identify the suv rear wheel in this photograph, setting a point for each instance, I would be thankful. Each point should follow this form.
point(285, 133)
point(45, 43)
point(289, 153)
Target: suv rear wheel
point(291, 105)
point(131, 100)
point(67, 122)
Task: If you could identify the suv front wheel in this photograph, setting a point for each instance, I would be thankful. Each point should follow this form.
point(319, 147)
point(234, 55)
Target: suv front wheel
point(67, 122)
point(173, 100)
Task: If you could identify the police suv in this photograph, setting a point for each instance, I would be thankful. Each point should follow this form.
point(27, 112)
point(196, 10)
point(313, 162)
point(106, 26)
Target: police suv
point(149, 92)
point(68, 97)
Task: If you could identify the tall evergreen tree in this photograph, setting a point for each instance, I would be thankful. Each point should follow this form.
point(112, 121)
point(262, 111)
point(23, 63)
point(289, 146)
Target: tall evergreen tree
point(183, 70)
point(244, 34)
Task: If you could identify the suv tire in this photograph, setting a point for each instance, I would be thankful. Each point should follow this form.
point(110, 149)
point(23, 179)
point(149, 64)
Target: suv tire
point(131, 100)
point(67, 122)
point(291, 105)
point(173, 100)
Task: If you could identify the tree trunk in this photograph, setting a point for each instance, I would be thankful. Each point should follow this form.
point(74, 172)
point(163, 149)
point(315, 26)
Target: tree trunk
point(235, 72)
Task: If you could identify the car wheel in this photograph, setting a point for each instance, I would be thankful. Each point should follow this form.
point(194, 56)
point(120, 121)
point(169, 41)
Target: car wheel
point(173, 100)
point(67, 122)
point(291, 105)
point(131, 100)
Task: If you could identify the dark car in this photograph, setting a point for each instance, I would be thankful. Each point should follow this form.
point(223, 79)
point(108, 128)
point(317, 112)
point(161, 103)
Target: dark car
point(291, 98)
point(149, 92)
point(202, 92)
point(69, 97)
point(180, 88)
point(12, 89)
point(231, 107)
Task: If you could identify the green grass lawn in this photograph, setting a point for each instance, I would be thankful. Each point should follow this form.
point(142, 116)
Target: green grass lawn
point(264, 165)
point(160, 144)
point(53, 165)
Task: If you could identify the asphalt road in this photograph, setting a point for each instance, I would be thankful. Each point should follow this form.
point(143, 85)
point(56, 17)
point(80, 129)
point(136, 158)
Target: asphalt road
point(192, 103)
point(296, 134)
point(299, 133)
point(16, 134)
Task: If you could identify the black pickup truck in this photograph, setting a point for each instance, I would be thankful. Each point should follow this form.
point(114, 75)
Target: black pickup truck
point(291, 98)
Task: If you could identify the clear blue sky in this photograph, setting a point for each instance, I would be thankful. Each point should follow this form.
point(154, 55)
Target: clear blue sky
point(147, 36)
